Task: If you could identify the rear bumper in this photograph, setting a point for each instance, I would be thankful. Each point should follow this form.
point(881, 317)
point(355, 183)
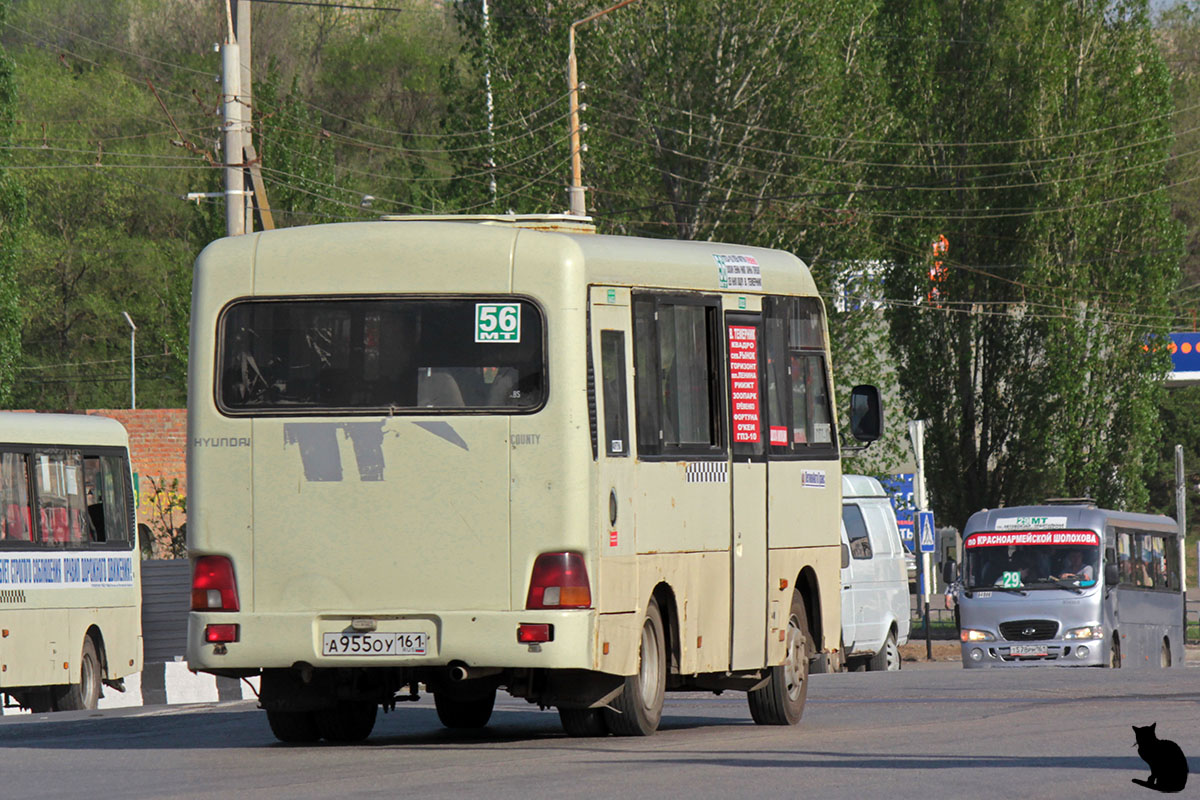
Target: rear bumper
point(474, 638)
point(1091, 653)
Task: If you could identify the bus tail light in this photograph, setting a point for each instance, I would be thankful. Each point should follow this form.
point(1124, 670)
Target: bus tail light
point(213, 585)
point(535, 633)
point(220, 634)
point(559, 580)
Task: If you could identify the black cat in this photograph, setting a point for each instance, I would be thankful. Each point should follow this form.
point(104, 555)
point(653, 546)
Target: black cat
point(1168, 765)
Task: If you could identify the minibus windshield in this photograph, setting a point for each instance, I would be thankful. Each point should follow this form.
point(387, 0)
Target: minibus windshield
point(1031, 559)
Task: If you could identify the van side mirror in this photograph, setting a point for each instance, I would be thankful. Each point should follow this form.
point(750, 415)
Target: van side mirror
point(866, 413)
point(845, 555)
point(1111, 576)
point(949, 569)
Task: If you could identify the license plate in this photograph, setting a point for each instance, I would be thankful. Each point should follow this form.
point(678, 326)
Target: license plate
point(374, 644)
point(1027, 650)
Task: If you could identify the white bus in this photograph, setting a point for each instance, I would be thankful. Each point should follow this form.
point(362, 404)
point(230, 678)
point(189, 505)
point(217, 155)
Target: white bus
point(70, 570)
point(509, 452)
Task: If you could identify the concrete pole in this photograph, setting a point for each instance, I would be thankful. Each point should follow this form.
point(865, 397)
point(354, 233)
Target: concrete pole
point(231, 89)
point(241, 26)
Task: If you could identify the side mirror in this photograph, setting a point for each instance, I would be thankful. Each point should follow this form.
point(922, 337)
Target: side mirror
point(845, 556)
point(1111, 576)
point(866, 413)
point(948, 572)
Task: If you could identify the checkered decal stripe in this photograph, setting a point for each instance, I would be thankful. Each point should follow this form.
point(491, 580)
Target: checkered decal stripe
point(707, 472)
point(12, 595)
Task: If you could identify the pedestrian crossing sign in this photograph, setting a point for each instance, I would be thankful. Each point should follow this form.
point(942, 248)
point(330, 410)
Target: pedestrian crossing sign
point(925, 524)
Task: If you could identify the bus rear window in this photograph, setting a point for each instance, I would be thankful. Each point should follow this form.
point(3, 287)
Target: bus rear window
point(381, 355)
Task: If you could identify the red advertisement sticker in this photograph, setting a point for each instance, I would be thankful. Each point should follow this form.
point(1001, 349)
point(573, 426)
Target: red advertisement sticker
point(743, 381)
point(1033, 537)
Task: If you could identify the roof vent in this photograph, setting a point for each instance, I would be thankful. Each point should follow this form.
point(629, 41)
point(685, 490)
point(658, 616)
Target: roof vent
point(1069, 501)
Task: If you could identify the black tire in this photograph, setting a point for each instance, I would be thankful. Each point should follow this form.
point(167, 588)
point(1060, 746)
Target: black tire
point(1114, 653)
point(888, 658)
point(469, 712)
point(638, 709)
point(347, 722)
point(583, 722)
point(781, 700)
point(1164, 658)
point(86, 693)
point(294, 727)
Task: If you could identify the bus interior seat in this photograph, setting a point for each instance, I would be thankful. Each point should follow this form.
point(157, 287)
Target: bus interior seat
point(438, 390)
point(18, 522)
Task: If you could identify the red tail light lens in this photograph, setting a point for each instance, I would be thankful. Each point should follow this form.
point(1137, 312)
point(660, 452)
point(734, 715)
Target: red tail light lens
point(213, 585)
point(532, 633)
point(559, 580)
point(220, 634)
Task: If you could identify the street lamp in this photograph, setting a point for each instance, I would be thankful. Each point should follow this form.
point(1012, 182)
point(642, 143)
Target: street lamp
point(575, 192)
point(132, 367)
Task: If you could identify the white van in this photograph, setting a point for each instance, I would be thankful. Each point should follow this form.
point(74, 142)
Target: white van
point(875, 610)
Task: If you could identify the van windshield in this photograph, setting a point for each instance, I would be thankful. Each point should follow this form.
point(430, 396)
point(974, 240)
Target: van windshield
point(381, 355)
point(1031, 559)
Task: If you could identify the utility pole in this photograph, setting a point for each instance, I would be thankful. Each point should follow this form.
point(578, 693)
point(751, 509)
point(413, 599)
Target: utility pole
point(241, 29)
point(487, 82)
point(231, 91)
point(575, 192)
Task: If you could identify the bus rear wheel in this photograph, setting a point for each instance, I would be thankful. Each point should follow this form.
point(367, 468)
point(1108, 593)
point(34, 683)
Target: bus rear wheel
point(583, 722)
point(347, 722)
point(294, 727)
point(1164, 658)
point(465, 712)
point(781, 700)
point(86, 693)
point(638, 709)
point(1114, 653)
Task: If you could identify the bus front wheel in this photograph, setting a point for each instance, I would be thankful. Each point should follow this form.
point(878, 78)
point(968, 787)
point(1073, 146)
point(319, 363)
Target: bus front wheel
point(781, 700)
point(638, 709)
point(86, 693)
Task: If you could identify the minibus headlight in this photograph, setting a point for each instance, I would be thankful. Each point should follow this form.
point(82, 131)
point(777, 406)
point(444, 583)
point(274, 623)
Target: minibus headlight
point(970, 635)
point(1086, 632)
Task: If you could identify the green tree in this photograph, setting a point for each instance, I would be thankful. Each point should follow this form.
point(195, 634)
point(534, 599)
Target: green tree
point(13, 217)
point(1044, 131)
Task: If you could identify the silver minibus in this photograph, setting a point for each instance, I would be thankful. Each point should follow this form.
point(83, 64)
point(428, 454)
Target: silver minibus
point(1070, 585)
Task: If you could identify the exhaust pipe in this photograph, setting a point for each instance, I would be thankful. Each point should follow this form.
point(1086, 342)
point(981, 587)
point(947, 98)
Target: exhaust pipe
point(461, 672)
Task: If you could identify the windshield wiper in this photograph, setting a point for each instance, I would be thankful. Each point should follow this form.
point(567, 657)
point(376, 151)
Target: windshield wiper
point(1012, 589)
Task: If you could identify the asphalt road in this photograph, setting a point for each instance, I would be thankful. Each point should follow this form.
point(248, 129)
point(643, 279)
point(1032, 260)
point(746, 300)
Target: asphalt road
point(927, 732)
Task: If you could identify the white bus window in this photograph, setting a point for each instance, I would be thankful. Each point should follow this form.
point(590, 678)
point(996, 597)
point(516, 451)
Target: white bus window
point(856, 531)
point(677, 380)
point(612, 376)
point(62, 508)
point(381, 355)
point(17, 522)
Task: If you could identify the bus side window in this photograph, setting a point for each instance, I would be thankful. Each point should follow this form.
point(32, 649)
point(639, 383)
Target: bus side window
point(612, 378)
point(1171, 563)
point(797, 392)
point(62, 508)
point(1124, 564)
point(94, 494)
point(677, 379)
point(16, 523)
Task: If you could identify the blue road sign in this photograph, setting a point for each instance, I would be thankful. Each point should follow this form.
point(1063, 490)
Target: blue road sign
point(925, 524)
point(900, 492)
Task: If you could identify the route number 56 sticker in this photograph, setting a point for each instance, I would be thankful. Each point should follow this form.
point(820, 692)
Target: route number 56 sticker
point(497, 322)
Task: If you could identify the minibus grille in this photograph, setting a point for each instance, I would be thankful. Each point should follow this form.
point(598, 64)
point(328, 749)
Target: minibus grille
point(1028, 630)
